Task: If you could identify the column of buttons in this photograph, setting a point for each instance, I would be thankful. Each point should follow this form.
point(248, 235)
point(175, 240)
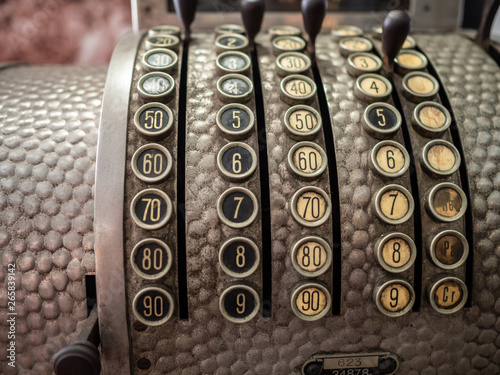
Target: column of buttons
point(152, 163)
point(393, 204)
point(239, 257)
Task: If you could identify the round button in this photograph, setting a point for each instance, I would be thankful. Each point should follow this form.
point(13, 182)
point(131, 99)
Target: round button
point(448, 249)
point(372, 88)
point(420, 86)
point(362, 63)
point(311, 206)
point(311, 301)
point(229, 29)
point(396, 252)
point(288, 44)
point(440, 158)
point(239, 257)
point(390, 159)
point(394, 297)
point(163, 41)
point(154, 120)
point(156, 85)
point(153, 305)
point(354, 44)
point(431, 119)
point(446, 202)
point(409, 60)
point(376, 31)
point(231, 42)
point(284, 30)
point(234, 88)
point(344, 31)
point(151, 209)
point(152, 163)
point(160, 59)
point(394, 204)
point(165, 29)
point(237, 207)
point(381, 120)
point(236, 121)
point(311, 256)
point(409, 43)
point(233, 62)
point(237, 161)
point(307, 160)
point(151, 259)
point(447, 294)
point(302, 122)
point(292, 63)
point(239, 303)
point(297, 89)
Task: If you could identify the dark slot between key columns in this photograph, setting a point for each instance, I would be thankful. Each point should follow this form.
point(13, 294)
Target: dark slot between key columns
point(181, 188)
point(334, 192)
point(264, 188)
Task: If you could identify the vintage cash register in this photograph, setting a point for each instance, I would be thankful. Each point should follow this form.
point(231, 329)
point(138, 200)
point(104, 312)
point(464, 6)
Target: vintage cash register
point(256, 191)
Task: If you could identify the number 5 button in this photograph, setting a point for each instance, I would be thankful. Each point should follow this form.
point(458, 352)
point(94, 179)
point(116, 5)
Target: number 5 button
point(237, 207)
point(381, 120)
point(394, 204)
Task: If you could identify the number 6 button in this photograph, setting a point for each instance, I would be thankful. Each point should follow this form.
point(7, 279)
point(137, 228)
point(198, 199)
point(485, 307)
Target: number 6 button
point(236, 161)
point(394, 297)
point(237, 207)
point(394, 204)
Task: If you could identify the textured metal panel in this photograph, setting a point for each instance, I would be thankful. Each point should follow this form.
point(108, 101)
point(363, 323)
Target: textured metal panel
point(48, 137)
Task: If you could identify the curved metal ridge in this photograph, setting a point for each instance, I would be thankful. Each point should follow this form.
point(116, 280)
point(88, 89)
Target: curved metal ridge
point(108, 211)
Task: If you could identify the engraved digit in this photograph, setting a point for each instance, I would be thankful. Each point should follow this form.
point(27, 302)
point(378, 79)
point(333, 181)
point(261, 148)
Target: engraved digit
point(396, 254)
point(233, 63)
point(155, 205)
point(364, 63)
point(157, 259)
point(393, 202)
point(240, 256)
point(299, 121)
point(302, 161)
point(306, 257)
point(236, 163)
point(394, 297)
point(146, 164)
point(374, 86)
point(309, 121)
point(146, 260)
point(313, 161)
point(158, 163)
point(380, 113)
point(391, 162)
point(231, 42)
point(148, 305)
point(238, 120)
point(240, 301)
point(317, 250)
point(239, 199)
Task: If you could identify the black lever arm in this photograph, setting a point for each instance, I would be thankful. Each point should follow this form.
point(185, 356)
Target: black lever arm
point(489, 12)
point(186, 10)
point(394, 32)
point(313, 14)
point(252, 13)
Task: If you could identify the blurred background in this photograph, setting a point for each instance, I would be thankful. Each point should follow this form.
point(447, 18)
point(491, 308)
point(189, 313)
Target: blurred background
point(84, 32)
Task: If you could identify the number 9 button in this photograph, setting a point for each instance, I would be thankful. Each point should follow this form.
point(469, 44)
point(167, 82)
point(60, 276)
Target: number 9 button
point(394, 297)
point(239, 303)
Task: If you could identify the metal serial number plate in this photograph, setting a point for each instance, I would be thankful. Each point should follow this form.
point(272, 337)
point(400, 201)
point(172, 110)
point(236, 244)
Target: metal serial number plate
point(351, 364)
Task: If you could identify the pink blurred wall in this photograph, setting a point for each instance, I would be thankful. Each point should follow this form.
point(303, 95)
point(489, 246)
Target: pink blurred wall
point(61, 31)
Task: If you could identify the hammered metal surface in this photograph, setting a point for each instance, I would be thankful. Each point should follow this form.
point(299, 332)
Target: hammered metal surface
point(48, 136)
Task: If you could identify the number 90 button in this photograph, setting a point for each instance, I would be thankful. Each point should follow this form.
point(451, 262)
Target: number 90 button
point(153, 305)
point(390, 159)
point(394, 297)
point(394, 204)
point(307, 160)
point(154, 120)
point(381, 120)
point(447, 294)
point(151, 259)
point(237, 207)
point(239, 303)
point(237, 161)
point(311, 206)
point(311, 256)
point(151, 209)
point(239, 257)
point(311, 301)
point(396, 252)
point(152, 163)
point(236, 121)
